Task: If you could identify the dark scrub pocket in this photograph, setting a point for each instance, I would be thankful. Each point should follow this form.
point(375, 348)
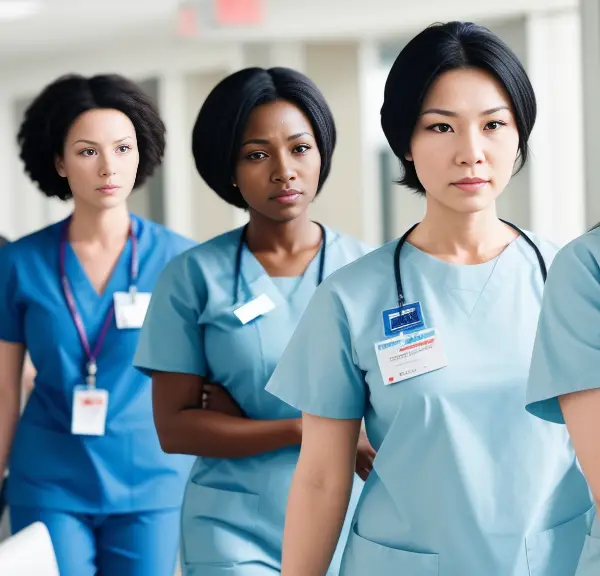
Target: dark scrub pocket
point(556, 552)
point(364, 557)
point(217, 526)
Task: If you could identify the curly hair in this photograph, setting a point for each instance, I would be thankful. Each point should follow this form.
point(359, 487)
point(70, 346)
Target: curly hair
point(220, 125)
point(439, 49)
point(48, 119)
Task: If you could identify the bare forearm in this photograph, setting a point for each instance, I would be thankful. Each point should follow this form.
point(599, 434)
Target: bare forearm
point(314, 519)
point(9, 416)
point(214, 435)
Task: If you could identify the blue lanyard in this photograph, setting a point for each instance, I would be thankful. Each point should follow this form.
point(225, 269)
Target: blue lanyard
point(402, 241)
point(240, 249)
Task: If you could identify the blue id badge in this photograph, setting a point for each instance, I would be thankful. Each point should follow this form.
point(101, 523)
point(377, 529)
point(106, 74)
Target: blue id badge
point(402, 320)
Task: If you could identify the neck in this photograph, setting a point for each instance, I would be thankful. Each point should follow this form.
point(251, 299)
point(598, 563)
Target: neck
point(104, 226)
point(462, 238)
point(266, 235)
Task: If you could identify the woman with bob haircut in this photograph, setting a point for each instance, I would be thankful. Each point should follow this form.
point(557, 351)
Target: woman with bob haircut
point(429, 339)
point(222, 314)
point(85, 457)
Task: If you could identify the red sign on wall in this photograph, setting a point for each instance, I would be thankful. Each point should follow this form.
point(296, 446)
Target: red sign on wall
point(238, 12)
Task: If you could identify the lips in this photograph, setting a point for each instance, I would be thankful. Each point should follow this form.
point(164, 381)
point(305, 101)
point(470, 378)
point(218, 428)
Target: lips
point(288, 196)
point(470, 184)
point(108, 189)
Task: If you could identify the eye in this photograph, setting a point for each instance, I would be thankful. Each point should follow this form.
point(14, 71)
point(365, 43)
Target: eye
point(441, 128)
point(494, 125)
point(256, 156)
point(87, 152)
point(302, 148)
point(124, 148)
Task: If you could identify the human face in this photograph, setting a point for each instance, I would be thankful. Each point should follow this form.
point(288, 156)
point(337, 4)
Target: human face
point(100, 158)
point(465, 142)
point(279, 162)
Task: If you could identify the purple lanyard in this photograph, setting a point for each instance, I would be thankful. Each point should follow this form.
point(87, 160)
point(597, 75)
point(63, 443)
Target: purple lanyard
point(92, 355)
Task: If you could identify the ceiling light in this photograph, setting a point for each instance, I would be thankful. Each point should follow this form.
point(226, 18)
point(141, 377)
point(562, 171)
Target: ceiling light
point(11, 10)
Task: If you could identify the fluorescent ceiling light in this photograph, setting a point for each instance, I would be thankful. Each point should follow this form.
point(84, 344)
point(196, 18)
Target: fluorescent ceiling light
point(18, 9)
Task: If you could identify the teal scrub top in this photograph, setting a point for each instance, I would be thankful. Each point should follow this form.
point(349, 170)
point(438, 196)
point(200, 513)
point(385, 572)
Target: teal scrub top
point(465, 481)
point(234, 509)
point(566, 354)
point(125, 470)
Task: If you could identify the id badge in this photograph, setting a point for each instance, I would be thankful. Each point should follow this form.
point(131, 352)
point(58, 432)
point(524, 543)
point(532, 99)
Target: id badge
point(410, 355)
point(130, 310)
point(90, 406)
point(406, 319)
point(255, 308)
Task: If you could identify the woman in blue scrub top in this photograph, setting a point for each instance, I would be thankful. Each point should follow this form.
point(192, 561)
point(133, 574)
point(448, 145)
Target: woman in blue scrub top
point(222, 314)
point(564, 381)
point(85, 458)
point(429, 339)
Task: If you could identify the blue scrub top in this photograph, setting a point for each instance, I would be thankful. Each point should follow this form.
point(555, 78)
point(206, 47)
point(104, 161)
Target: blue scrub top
point(234, 509)
point(125, 470)
point(566, 354)
point(465, 481)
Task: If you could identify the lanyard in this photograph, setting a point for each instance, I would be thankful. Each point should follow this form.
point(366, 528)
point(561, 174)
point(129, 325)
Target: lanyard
point(92, 355)
point(402, 241)
point(238, 259)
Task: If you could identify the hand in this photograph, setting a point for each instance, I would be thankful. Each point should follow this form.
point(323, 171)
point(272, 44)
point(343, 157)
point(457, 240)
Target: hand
point(218, 399)
point(365, 455)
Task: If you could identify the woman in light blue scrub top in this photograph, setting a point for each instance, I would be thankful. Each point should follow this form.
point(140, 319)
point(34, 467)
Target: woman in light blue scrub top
point(429, 338)
point(564, 381)
point(222, 314)
point(85, 459)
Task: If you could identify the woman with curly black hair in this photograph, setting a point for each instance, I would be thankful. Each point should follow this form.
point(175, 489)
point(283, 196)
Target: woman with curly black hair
point(85, 457)
point(223, 313)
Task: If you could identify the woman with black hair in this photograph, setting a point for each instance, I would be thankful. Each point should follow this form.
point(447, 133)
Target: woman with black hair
point(429, 339)
point(221, 316)
point(85, 458)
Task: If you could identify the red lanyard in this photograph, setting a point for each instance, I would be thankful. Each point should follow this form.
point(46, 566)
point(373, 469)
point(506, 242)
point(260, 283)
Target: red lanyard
point(92, 355)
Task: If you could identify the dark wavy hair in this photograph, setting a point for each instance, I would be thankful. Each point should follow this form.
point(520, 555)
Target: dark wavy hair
point(47, 120)
point(439, 49)
point(220, 125)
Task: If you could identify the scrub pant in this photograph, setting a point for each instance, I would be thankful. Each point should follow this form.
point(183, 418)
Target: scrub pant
point(141, 544)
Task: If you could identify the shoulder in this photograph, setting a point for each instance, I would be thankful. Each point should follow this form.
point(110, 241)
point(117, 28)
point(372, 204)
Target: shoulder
point(39, 242)
point(579, 259)
point(547, 249)
point(155, 235)
point(346, 244)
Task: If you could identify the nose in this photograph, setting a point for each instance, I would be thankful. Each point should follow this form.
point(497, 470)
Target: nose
point(107, 168)
point(470, 149)
point(284, 170)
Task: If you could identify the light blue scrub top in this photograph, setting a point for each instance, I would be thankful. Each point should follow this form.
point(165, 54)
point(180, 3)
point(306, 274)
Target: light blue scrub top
point(234, 509)
point(125, 470)
point(465, 482)
point(566, 354)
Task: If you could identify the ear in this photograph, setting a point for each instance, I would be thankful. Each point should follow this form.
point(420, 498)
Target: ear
point(60, 167)
point(408, 157)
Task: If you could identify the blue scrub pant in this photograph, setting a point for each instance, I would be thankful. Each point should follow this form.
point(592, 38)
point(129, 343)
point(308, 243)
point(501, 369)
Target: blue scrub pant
point(142, 544)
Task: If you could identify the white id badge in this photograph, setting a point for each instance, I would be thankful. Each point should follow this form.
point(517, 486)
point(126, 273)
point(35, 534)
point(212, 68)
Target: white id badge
point(410, 355)
point(130, 310)
point(90, 406)
point(255, 308)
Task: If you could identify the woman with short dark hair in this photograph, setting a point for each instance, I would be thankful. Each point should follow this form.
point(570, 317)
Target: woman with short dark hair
point(429, 339)
point(85, 458)
point(222, 314)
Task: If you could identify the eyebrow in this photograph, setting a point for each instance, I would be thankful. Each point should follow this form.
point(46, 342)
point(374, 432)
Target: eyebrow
point(91, 142)
point(266, 142)
point(442, 112)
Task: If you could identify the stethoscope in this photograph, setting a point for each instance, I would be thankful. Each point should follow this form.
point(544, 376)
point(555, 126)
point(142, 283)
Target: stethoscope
point(402, 241)
point(240, 249)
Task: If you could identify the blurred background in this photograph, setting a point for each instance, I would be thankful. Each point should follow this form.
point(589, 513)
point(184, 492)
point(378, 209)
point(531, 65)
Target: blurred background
point(179, 50)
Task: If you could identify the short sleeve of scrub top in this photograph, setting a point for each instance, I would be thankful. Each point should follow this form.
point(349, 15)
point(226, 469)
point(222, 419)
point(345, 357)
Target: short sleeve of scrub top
point(321, 350)
point(11, 320)
point(175, 307)
point(566, 354)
